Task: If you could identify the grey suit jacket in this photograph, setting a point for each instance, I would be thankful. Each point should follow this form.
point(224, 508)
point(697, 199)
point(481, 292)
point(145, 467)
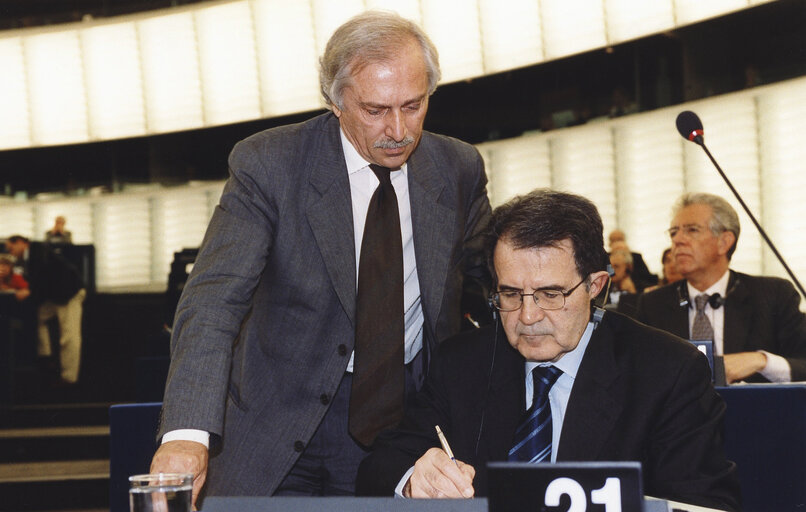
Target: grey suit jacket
point(265, 326)
point(761, 313)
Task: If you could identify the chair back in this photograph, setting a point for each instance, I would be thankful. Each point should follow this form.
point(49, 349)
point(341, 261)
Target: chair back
point(132, 443)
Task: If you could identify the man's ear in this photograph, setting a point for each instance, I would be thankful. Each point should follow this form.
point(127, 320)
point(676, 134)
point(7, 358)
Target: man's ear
point(725, 241)
point(336, 110)
point(598, 282)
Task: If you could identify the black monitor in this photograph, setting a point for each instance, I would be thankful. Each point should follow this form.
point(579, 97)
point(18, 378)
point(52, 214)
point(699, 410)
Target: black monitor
point(716, 362)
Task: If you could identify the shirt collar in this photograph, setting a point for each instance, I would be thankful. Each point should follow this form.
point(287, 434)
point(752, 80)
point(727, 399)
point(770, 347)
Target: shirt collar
point(720, 287)
point(355, 162)
point(570, 361)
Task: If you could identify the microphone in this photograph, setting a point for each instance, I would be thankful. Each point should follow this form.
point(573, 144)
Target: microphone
point(716, 300)
point(690, 127)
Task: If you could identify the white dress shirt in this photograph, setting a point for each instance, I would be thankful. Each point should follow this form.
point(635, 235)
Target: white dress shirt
point(777, 369)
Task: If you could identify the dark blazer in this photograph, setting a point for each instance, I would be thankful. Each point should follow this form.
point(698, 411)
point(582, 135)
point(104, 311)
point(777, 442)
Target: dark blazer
point(761, 313)
point(265, 326)
point(640, 395)
point(641, 275)
point(50, 276)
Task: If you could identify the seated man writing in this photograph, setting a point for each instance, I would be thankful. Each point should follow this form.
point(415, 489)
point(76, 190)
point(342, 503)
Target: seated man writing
point(552, 381)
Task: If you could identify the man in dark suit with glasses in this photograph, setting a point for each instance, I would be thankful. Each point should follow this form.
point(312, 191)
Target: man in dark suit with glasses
point(557, 378)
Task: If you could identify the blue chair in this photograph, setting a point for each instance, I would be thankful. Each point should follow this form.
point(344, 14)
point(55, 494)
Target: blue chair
point(132, 443)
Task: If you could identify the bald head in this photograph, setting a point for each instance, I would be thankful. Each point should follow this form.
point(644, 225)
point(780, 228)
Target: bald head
point(616, 235)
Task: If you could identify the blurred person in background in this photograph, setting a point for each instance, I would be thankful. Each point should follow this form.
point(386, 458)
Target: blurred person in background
point(58, 293)
point(58, 234)
point(622, 264)
point(640, 275)
point(11, 281)
point(670, 273)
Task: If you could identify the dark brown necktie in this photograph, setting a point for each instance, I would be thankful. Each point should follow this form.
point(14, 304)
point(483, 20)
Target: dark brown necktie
point(376, 399)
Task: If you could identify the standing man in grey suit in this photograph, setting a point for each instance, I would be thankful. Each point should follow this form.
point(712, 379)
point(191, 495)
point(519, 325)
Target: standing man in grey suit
point(260, 398)
point(754, 321)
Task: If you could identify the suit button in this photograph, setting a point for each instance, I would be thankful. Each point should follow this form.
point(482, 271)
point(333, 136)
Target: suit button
point(324, 399)
point(342, 349)
point(299, 446)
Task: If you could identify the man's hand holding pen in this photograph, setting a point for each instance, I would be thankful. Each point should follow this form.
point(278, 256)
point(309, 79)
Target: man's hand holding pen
point(436, 475)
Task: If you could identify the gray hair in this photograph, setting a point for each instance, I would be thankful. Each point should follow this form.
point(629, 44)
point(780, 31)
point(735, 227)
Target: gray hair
point(723, 216)
point(374, 36)
point(624, 254)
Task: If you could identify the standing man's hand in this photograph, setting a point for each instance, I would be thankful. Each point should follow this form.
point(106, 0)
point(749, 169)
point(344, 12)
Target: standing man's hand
point(183, 457)
point(437, 476)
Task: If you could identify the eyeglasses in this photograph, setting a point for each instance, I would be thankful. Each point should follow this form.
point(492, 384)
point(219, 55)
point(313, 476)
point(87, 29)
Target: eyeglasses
point(690, 230)
point(546, 299)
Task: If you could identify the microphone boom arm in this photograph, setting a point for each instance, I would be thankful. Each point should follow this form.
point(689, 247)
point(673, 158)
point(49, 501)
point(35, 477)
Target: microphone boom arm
point(760, 229)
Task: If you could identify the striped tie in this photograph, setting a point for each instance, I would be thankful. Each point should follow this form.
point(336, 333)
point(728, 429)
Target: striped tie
point(532, 440)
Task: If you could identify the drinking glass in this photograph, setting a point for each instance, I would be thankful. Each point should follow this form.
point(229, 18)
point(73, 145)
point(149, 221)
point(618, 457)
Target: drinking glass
point(161, 492)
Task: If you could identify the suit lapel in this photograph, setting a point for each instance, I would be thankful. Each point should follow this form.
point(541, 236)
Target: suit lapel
point(679, 314)
point(432, 223)
point(505, 405)
point(738, 316)
point(593, 406)
point(330, 215)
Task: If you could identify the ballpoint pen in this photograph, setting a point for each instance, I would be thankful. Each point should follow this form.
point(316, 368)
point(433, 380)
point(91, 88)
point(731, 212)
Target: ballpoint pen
point(445, 445)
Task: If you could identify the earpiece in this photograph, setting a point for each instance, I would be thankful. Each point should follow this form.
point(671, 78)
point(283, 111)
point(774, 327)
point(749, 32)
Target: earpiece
point(598, 303)
point(716, 301)
point(596, 315)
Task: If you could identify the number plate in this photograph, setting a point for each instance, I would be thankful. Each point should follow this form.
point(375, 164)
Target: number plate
point(565, 487)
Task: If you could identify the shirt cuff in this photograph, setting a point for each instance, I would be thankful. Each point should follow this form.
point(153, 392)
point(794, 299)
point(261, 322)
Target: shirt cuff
point(188, 434)
point(777, 369)
point(402, 483)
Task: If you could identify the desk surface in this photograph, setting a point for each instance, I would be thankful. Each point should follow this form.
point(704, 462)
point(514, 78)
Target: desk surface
point(339, 504)
point(331, 504)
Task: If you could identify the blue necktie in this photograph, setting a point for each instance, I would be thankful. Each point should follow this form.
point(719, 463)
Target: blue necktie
point(532, 441)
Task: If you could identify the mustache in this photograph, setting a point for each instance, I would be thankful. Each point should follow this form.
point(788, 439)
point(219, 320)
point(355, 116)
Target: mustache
point(392, 144)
